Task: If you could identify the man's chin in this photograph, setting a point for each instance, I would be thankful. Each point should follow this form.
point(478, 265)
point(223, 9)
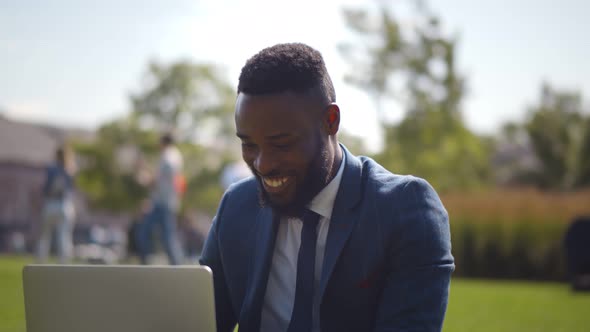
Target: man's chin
point(287, 208)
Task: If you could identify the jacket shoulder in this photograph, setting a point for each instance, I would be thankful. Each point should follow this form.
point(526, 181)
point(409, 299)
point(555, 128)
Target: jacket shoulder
point(244, 190)
point(396, 195)
point(239, 200)
point(387, 183)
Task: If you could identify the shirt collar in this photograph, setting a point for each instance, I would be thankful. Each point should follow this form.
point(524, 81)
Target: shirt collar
point(323, 202)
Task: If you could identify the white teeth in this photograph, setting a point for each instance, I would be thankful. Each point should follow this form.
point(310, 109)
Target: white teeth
point(274, 183)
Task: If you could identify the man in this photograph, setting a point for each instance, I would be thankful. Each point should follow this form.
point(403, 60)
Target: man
point(165, 201)
point(320, 239)
point(58, 208)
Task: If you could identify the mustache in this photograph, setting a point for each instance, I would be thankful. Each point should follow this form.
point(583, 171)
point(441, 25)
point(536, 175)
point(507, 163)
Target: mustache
point(273, 173)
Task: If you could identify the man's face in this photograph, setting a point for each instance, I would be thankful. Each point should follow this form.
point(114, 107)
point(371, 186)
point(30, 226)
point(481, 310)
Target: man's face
point(285, 147)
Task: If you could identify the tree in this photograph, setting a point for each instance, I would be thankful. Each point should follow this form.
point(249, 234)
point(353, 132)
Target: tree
point(105, 178)
point(432, 140)
point(354, 144)
point(560, 136)
point(514, 161)
point(196, 102)
point(584, 163)
point(191, 100)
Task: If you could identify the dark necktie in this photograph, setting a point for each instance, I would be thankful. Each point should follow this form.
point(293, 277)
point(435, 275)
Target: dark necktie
point(302, 307)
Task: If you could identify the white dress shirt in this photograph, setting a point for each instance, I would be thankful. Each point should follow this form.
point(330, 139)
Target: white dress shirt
point(280, 288)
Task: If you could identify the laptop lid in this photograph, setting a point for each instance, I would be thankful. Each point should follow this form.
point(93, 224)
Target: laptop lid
point(93, 298)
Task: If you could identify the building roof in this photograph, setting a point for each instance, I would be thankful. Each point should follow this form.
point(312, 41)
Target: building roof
point(31, 144)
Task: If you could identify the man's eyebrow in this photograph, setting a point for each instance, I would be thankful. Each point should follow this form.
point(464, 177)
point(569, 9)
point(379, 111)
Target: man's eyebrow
point(271, 137)
point(278, 136)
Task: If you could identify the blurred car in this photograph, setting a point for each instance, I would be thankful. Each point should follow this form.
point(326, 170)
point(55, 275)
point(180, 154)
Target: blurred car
point(95, 244)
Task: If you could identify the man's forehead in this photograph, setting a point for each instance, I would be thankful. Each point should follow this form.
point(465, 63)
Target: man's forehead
point(276, 116)
point(286, 104)
point(274, 98)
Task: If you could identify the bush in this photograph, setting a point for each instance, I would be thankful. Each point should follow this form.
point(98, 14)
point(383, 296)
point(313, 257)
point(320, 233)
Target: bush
point(515, 234)
point(516, 250)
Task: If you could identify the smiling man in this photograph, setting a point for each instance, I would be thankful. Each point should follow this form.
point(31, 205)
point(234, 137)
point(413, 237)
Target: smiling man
point(320, 239)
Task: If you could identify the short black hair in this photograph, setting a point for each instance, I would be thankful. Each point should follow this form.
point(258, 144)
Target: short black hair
point(292, 67)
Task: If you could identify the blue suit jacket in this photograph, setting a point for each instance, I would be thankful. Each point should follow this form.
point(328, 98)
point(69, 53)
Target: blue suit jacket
point(387, 264)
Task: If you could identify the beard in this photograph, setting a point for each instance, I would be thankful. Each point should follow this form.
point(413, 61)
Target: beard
point(316, 177)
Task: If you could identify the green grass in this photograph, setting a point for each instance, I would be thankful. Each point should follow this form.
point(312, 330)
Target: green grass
point(475, 305)
point(482, 305)
point(12, 306)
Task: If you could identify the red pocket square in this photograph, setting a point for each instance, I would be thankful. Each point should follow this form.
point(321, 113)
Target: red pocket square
point(370, 279)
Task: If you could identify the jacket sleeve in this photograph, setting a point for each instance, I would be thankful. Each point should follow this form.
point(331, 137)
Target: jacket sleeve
point(416, 292)
point(211, 256)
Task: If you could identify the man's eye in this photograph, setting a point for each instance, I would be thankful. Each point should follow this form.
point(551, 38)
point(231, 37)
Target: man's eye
point(283, 146)
point(248, 145)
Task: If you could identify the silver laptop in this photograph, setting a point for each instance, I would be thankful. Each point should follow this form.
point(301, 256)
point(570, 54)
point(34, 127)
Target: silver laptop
point(89, 298)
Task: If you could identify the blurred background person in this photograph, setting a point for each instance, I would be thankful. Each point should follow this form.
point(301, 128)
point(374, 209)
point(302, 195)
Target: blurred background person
point(133, 229)
point(58, 215)
point(168, 185)
point(234, 172)
point(577, 250)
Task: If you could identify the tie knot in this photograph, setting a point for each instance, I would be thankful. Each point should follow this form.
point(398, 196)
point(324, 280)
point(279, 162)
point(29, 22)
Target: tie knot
point(310, 217)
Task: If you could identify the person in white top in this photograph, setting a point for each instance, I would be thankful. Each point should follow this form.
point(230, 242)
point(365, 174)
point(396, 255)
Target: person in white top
point(167, 189)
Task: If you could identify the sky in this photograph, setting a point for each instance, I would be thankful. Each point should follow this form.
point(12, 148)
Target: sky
point(75, 63)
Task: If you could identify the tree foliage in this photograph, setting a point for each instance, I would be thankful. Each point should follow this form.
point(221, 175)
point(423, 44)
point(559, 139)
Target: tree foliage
point(559, 132)
point(191, 100)
point(107, 183)
point(416, 66)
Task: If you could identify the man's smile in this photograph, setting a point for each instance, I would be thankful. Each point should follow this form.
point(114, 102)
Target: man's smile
point(275, 184)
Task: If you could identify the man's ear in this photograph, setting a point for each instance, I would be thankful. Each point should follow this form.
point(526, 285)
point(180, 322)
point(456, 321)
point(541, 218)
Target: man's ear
point(331, 119)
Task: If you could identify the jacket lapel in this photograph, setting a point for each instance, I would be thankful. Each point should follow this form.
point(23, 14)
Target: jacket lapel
point(265, 235)
point(343, 218)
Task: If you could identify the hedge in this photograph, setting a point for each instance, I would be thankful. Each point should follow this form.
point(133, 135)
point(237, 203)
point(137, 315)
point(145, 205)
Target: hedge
point(515, 234)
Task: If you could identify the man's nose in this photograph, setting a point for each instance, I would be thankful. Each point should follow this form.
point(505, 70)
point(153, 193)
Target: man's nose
point(265, 163)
